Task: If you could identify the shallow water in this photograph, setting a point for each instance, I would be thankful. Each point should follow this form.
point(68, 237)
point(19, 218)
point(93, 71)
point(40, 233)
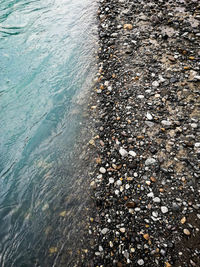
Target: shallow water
point(46, 68)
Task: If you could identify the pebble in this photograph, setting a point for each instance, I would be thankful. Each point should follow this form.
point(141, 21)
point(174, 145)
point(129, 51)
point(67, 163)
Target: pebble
point(150, 161)
point(156, 200)
point(149, 116)
point(155, 84)
point(104, 231)
point(111, 180)
point(186, 231)
point(164, 209)
point(140, 262)
point(132, 153)
point(166, 123)
point(123, 152)
point(102, 170)
point(122, 230)
point(119, 182)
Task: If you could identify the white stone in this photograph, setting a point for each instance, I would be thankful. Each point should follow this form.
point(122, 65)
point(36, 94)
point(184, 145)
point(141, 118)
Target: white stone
point(111, 180)
point(149, 116)
point(150, 161)
point(155, 214)
point(156, 200)
point(104, 231)
point(102, 170)
point(132, 153)
point(164, 209)
point(123, 152)
point(197, 144)
point(166, 122)
point(155, 84)
point(127, 186)
point(100, 248)
point(151, 194)
point(140, 96)
point(140, 262)
point(119, 182)
point(122, 230)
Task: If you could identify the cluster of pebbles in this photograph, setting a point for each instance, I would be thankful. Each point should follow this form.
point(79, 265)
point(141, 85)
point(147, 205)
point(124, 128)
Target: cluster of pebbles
point(146, 185)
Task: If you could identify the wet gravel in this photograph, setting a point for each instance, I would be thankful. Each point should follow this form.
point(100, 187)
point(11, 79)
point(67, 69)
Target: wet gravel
point(145, 183)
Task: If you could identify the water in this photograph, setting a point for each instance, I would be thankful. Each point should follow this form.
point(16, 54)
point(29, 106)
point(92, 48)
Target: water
point(46, 68)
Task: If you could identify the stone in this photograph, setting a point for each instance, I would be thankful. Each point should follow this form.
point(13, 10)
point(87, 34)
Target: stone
point(123, 152)
point(102, 170)
point(131, 205)
point(164, 209)
point(132, 153)
point(150, 161)
point(149, 116)
point(104, 231)
point(140, 262)
point(183, 220)
point(128, 26)
point(186, 231)
point(119, 182)
point(122, 230)
point(156, 200)
point(166, 123)
point(111, 180)
point(155, 84)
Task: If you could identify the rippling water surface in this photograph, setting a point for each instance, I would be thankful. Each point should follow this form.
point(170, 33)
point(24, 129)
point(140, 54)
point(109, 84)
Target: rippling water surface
point(46, 62)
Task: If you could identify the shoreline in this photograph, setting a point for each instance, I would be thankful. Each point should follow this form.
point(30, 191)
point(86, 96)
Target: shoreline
point(145, 188)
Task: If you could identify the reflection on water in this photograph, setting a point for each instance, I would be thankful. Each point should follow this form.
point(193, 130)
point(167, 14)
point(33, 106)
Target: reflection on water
point(46, 62)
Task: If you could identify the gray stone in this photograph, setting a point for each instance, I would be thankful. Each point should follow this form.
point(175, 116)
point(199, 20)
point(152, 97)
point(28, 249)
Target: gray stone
point(150, 161)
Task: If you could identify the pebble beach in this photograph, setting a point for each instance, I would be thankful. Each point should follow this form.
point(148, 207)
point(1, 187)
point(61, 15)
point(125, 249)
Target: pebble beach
point(145, 184)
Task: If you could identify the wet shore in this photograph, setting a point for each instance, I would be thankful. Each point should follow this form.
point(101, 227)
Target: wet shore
point(145, 181)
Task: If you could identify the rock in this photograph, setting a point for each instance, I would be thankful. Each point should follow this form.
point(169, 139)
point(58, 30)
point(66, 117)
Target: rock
point(151, 194)
point(156, 200)
point(111, 180)
point(183, 220)
point(146, 236)
point(131, 205)
point(122, 230)
point(132, 153)
point(123, 152)
point(119, 182)
point(150, 161)
point(155, 84)
point(186, 231)
point(164, 209)
point(149, 116)
point(128, 26)
point(155, 214)
point(104, 231)
point(166, 123)
point(140, 262)
point(102, 170)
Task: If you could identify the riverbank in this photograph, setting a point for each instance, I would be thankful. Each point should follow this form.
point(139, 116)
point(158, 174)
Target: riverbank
point(145, 108)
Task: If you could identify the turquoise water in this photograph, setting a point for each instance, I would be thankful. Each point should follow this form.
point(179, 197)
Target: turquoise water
point(46, 68)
